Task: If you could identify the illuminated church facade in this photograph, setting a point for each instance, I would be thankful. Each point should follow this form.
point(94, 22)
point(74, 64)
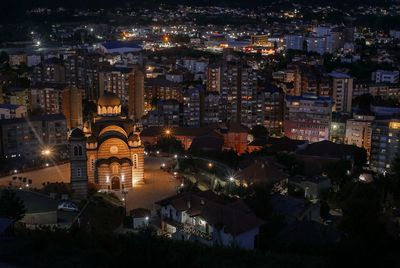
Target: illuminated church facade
point(111, 149)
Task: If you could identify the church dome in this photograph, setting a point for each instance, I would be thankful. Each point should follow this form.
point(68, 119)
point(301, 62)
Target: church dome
point(109, 99)
point(91, 139)
point(77, 133)
point(109, 105)
point(134, 137)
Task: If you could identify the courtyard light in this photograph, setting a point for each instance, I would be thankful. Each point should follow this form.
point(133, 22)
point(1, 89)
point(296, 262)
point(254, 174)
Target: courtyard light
point(176, 156)
point(231, 179)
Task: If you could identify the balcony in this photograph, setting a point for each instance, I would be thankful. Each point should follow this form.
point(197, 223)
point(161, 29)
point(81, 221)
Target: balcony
point(189, 228)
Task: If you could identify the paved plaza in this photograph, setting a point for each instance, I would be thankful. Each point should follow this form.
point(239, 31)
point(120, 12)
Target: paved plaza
point(159, 184)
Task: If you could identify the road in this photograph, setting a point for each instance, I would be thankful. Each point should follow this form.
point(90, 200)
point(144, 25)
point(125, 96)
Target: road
point(158, 184)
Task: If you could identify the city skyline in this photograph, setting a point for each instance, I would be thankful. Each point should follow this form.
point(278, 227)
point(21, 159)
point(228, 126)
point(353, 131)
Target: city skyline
point(194, 133)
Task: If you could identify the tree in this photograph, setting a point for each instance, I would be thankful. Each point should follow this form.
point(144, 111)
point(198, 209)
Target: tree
point(169, 144)
point(3, 57)
point(337, 172)
point(11, 206)
point(361, 209)
point(89, 108)
point(392, 182)
point(324, 210)
point(153, 103)
point(259, 131)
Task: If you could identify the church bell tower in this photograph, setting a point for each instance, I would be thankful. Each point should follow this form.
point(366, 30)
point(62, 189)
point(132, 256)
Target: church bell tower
point(78, 165)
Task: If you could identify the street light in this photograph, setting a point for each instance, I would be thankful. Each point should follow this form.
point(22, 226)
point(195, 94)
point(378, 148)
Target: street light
point(210, 165)
point(176, 156)
point(46, 151)
point(167, 132)
point(124, 192)
point(231, 179)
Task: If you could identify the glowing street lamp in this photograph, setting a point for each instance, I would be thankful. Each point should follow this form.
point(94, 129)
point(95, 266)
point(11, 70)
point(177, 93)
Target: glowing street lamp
point(210, 165)
point(231, 179)
point(124, 192)
point(175, 156)
point(46, 152)
point(167, 132)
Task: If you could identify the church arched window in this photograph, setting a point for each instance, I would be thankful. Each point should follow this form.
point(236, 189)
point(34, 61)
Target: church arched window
point(75, 150)
point(135, 160)
point(92, 163)
point(80, 150)
point(115, 169)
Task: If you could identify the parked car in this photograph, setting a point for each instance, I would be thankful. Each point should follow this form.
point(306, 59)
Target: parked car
point(68, 206)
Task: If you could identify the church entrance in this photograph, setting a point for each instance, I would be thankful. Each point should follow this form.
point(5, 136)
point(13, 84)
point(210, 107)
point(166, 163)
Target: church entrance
point(115, 183)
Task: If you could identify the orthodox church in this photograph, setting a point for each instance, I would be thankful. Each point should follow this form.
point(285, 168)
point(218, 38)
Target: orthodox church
point(108, 152)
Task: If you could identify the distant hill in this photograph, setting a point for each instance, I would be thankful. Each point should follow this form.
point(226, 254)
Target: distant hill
point(27, 4)
point(15, 9)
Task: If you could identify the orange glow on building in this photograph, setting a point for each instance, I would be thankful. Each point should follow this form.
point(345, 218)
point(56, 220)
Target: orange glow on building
point(166, 39)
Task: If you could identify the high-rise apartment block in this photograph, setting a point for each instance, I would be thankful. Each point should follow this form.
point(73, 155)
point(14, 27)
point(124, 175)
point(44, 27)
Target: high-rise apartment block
point(307, 117)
